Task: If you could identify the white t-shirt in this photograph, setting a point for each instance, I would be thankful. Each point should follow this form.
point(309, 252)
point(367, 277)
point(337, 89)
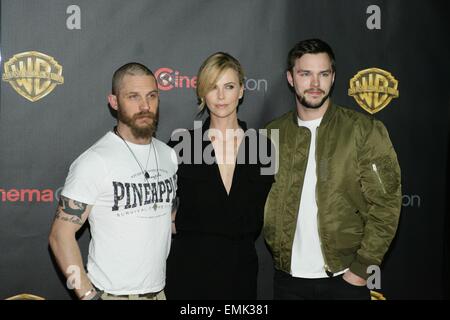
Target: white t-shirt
point(307, 259)
point(130, 238)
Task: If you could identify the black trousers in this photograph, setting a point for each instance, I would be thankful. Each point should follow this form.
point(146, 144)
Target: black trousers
point(287, 287)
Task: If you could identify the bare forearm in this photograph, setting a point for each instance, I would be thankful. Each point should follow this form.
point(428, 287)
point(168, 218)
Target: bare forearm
point(174, 214)
point(174, 229)
point(68, 255)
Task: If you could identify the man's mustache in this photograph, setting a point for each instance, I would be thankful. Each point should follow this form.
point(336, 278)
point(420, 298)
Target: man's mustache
point(315, 90)
point(150, 115)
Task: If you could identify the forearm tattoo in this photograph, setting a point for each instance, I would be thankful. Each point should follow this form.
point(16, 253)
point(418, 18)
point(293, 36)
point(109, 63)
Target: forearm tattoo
point(72, 208)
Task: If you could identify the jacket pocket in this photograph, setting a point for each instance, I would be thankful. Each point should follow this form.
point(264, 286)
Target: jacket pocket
point(348, 253)
point(378, 177)
point(349, 230)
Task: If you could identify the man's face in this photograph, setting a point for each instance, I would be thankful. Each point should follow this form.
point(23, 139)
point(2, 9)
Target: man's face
point(137, 104)
point(312, 79)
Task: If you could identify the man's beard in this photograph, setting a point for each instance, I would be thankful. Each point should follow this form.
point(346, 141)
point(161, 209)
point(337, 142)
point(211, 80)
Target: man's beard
point(143, 131)
point(309, 105)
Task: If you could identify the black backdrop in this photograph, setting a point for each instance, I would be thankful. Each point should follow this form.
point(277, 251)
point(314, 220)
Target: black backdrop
point(39, 140)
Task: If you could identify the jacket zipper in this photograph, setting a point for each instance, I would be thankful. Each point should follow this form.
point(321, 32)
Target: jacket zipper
point(284, 204)
point(374, 168)
point(326, 267)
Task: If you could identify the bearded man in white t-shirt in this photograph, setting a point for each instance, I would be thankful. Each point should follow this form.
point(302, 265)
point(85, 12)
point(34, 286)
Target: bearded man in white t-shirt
point(125, 185)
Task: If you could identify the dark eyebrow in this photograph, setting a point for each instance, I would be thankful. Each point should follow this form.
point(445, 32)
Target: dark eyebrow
point(134, 92)
point(305, 70)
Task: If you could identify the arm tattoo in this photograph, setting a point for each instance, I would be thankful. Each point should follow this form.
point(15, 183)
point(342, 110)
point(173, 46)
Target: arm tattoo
point(76, 209)
point(71, 219)
point(72, 208)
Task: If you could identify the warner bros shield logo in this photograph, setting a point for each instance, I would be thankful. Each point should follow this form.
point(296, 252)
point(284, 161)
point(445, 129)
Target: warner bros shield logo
point(373, 89)
point(33, 74)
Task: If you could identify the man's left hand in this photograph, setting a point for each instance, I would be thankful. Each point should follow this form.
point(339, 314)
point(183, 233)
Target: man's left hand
point(353, 279)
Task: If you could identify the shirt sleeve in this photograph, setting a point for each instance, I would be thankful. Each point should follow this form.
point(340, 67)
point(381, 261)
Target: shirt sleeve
point(86, 175)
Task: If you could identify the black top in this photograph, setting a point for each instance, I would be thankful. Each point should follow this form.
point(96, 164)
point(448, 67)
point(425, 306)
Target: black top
point(213, 254)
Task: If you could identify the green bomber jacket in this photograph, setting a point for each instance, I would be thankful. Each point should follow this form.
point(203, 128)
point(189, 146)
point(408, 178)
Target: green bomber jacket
point(358, 190)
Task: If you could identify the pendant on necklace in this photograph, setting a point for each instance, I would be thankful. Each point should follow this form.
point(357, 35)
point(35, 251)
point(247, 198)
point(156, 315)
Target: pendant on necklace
point(146, 175)
point(155, 206)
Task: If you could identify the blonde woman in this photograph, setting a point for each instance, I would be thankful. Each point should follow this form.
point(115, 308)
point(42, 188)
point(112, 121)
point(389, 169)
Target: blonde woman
point(221, 193)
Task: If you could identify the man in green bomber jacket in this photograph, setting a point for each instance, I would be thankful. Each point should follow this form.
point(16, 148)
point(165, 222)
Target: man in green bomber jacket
point(334, 207)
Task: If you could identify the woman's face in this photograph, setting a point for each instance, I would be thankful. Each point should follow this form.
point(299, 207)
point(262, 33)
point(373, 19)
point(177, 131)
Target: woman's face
point(223, 99)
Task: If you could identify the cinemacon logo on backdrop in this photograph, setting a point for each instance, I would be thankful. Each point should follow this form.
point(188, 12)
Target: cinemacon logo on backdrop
point(29, 195)
point(373, 89)
point(33, 74)
point(52, 195)
point(169, 79)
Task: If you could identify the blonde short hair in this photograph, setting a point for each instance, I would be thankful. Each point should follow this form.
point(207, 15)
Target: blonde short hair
point(212, 68)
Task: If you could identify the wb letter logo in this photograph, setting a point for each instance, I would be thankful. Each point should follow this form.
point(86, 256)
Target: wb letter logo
point(74, 20)
point(73, 279)
point(374, 21)
point(374, 280)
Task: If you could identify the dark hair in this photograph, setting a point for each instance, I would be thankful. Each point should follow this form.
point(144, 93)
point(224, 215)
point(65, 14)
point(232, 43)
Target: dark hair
point(312, 46)
point(131, 68)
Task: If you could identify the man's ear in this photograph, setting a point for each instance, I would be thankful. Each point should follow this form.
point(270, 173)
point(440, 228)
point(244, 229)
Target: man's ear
point(112, 99)
point(289, 77)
